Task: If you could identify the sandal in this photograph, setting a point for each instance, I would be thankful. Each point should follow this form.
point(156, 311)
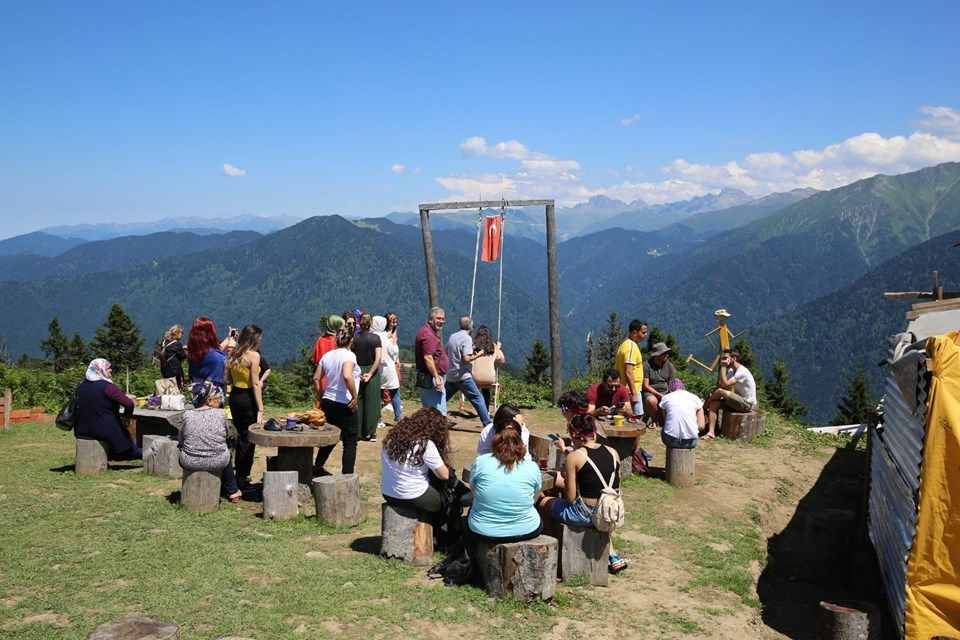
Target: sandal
point(617, 564)
point(235, 497)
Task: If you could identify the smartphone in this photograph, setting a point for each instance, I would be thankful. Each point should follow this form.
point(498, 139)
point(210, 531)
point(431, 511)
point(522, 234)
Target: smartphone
point(553, 436)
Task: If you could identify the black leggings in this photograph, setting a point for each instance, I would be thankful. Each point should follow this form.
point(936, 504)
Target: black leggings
point(243, 409)
point(339, 415)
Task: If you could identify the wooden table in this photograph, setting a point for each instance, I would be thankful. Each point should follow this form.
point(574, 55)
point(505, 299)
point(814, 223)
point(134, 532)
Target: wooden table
point(295, 448)
point(624, 440)
point(154, 422)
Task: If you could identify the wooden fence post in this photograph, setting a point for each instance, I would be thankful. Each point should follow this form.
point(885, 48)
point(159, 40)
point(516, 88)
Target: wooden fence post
point(7, 406)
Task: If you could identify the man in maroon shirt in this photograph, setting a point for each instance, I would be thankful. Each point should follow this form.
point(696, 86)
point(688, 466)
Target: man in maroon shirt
point(609, 396)
point(432, 362)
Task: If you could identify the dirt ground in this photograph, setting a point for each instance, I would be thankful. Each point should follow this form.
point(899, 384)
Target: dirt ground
point(779, 483)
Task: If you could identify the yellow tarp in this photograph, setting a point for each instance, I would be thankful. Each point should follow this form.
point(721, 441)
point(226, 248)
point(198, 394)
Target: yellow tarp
point(933, 572)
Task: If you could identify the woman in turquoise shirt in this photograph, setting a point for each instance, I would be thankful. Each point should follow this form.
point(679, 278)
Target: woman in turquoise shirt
point(504, 488)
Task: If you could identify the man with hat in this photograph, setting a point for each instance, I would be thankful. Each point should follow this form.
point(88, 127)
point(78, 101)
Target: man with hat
point(658, 371)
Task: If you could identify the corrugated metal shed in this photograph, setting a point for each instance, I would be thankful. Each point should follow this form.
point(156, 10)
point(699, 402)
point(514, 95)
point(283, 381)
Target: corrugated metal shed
point(896, 456)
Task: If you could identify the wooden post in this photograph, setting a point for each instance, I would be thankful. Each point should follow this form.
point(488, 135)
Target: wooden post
point(431, 266)
point(680, 467)
point(7, 406)
point(281, 493)
point(849, 620)
point(337, 499)
point(555, 368)
point(136, 629)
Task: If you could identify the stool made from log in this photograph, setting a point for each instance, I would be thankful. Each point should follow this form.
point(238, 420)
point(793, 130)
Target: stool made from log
point(406, 535)
point(849, 620)
point(161, 457)
point(281, 494)
point(680, 467)
point(742, 426)
point(337, 499)
point(585, 552)
point(200, 491)
point(136, 629)
point(92, 456)
point(527, 570)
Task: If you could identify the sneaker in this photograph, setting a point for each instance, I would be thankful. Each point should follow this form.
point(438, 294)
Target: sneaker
point(381, 425)
point(647, 456)
point(617, 564)
point(372, 439)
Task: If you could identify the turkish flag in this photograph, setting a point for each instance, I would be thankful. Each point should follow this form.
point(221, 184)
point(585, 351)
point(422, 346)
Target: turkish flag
point(492, 238)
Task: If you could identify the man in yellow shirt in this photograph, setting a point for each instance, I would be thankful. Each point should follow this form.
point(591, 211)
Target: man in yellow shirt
point(630, 363)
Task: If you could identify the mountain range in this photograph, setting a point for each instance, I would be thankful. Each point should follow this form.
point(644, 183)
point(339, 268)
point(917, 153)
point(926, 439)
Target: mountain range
point(800, 270)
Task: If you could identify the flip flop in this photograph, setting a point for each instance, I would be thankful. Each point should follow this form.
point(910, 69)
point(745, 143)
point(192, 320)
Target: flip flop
point(708, 437)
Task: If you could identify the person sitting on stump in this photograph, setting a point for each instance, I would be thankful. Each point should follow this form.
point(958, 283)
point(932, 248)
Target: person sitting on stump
point(203, 438)
point(658, 371)
point(736, 392)
point(609, 396)
point(98, 412)
point(683, 417)
point(506, 415)
point(416, 472)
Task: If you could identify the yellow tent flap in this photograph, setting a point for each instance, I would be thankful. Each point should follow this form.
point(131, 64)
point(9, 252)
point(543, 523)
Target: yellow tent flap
point(933, 571)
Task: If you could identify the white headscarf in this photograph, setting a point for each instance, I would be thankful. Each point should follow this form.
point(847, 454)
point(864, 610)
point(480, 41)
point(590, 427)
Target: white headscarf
point(98, 370)
point(378, 324)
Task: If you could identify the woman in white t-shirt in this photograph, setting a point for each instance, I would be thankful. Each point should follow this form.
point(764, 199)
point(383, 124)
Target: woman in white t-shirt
point(339, 401)
point(415, 468)
point(389, 352)
point(682, 417)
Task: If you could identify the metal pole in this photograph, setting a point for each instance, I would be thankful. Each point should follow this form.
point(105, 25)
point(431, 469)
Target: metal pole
point(428, 258)
point(555, 368)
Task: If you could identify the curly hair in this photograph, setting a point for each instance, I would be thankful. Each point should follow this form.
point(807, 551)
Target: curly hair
point(203, 337)
point(407, 440)
point(572, 399)
point(583, 427)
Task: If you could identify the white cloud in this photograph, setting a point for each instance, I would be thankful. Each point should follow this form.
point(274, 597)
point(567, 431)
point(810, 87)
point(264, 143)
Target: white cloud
point(630, 120)
point(398, 168)
point(232, 171)
point(759, 173)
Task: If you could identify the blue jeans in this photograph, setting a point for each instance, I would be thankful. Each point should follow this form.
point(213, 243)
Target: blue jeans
point(433, 398)
point(575, 514)
point(676, 443)
point(470, 391)
point(395, 403)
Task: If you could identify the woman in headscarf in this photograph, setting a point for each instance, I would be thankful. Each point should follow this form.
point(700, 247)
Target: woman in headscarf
point(368, 350)
point(325, 343)
point(389, 380)
point(203, 438)
point(246, 395)
point(98, 412)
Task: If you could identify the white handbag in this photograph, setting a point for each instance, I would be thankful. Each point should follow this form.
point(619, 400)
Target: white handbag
point(172, 402)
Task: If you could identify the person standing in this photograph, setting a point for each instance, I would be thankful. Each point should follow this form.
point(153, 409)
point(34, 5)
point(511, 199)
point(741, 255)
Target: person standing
point(205, 360)
point(325, 343)
point(389, 380)
point(629, 363)
point(339, 403)
point(246, 396)
point(432, 362)
point(368, 349)
point(460, 374)
point(171, 355)
point(736, 392)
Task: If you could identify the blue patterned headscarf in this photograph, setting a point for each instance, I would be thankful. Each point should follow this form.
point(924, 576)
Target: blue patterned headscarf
point(203, 390)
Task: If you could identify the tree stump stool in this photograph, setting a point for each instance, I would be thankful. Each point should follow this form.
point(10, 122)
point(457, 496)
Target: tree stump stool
point(742, 426)
point(281, 495)
point(200, 491)
point(136, 629)
point(161, 457)
point(406, 535)
point(849, 620)
point(585, 552)
point(527, 570)
point(92, 456)
point(337, 499)
point(680, 467)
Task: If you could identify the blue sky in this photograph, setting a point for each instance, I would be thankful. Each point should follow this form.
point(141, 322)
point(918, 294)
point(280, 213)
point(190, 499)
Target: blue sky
point(132, 111)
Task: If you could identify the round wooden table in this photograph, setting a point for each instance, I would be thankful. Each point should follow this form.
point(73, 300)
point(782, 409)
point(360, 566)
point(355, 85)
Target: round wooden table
point(624, 441)
point(295, 448)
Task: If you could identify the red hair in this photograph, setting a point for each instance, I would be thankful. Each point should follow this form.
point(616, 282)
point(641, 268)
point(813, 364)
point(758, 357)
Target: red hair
point(203, 337)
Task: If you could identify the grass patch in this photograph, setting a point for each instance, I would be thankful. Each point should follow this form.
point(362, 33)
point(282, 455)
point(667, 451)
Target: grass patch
point(673, 621)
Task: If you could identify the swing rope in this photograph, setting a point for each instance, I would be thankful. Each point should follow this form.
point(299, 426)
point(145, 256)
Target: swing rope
point(503, 236)
point(476, 258)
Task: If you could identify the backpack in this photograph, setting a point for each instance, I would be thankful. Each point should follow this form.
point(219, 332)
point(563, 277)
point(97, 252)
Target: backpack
point(160, 355)
point(610, 511)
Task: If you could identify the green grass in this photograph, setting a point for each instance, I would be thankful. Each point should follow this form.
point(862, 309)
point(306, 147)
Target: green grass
point(92, 549)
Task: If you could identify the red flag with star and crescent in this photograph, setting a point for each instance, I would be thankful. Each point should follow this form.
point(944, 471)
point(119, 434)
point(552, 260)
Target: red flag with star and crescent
point(492, 238)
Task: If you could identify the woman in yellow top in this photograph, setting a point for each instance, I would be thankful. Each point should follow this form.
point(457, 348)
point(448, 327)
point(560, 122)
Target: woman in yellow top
point(246, 398)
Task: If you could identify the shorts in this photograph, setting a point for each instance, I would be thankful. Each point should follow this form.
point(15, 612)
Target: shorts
point(737, 404)
point(575, 514)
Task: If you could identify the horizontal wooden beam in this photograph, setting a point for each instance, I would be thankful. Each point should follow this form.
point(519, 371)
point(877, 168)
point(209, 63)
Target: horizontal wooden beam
point(486, 204)
point(896, 295)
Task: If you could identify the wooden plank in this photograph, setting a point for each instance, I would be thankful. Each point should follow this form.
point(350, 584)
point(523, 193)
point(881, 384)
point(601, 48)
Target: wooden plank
point(930, 307)
point(431, 266)
point(486, 204)
point(555, 368)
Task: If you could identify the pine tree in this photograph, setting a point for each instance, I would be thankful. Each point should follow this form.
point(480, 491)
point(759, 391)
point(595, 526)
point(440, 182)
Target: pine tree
point(537, 363)
point(78, 353)
point(302, 370)
point(747, 360)
point(5, 357)
point(118, 340)
point(56, 347)
point(777, 394)
point(858, 405)
point(603, 350)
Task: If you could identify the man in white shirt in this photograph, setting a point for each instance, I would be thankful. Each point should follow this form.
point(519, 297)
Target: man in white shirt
point(736, 392)
point(682, 416)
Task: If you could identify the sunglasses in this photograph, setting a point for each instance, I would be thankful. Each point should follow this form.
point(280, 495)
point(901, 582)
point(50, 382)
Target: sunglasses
point(577, 411)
